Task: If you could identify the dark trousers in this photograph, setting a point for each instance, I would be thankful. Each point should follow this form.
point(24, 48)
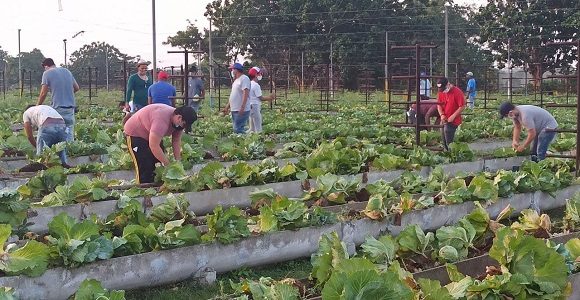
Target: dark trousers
point(448, 133)
point(143, 159)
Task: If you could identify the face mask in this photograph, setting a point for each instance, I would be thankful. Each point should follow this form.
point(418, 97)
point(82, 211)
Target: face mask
point(233, 74)
point(259, 77)
point(446, 89)
point(177, 127)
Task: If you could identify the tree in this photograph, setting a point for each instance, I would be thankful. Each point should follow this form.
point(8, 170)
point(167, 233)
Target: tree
point(528, 26)
point(30, 62)
point(96, 55)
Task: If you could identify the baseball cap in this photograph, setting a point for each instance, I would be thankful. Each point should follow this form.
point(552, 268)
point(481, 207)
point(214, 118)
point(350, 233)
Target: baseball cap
point(188, 114)
point(469, 74)
point(47, 62)
point(442, 83)
point(162, 75)
point(423, 73)
point(504, 109)
point(254, 71)
point(237, 66)
point(142, 62)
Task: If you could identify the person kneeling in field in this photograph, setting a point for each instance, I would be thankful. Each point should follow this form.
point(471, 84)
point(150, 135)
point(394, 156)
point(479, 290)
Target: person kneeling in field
point(51, 128)
point(145, 130)
point(539, 123)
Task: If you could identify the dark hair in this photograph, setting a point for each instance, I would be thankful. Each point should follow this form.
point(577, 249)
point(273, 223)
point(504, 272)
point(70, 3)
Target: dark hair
point(48, 62)
point(29, 106)
point(193, 68)
point(122, 103)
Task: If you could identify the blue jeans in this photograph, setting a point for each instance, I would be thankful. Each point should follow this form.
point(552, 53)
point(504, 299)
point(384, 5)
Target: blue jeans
point(49, 135)
point(471, 101)
point(195, 105)
point(239, 120)
point(448, 132)
point(68, 114)
point(541, 144)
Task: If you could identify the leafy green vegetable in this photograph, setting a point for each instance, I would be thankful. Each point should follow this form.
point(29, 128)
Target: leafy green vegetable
point(78, 242)
point(30, 260)
point(91, 289)
point(267, 288)
point(572, 214)
point(413, 239)
point(381, 251)
point(282, 214)
point(432, 290)
point(226, 226)
point(331, 251)
point(358, 278)
point(13, 210)
point(175, 207)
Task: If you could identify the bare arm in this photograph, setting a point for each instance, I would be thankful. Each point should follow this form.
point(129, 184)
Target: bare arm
point(154, 145)
point(29, 135)
point(42, 95)
point(76, 87)
point(516, 134)
point(530, 138)
point(176, 144)
point(245, 95)
point(456, 113)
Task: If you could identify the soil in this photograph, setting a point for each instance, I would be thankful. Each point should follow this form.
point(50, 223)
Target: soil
point(362, 196)
point(33, 167)
point(208, 155)
point(12, 153)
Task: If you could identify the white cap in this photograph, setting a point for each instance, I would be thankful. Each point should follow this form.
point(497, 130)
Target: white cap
point(469, 74)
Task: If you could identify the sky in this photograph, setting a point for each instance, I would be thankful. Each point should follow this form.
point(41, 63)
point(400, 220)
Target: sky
point(125, 24)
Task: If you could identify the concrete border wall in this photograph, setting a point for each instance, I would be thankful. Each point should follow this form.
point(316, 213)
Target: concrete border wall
point(204, 202)
point(164, 267)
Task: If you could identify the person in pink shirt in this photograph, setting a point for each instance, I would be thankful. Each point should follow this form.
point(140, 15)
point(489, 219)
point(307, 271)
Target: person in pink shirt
point(145, 131)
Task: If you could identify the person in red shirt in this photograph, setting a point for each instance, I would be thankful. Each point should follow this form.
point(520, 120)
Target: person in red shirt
point(451, 105)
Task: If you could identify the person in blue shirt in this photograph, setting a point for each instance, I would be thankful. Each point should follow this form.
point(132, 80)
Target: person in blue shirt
point(162, 91)
point(471, 90)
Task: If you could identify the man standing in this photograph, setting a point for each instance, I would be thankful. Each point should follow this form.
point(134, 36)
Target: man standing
point(162, 92)
point(138, 84)
point(471, 89)
point(63, 86)
point(239, 104)
point(196, 91)
point(425, 87)
point(145, 131)
point(451, 104)
point(538, 122)
point(51, 128)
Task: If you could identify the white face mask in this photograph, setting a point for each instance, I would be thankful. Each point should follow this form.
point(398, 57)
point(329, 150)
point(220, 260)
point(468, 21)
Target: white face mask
point(259, 77)
point(233, 74)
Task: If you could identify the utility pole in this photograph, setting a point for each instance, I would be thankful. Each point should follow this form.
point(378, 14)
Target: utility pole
point(331, 85)
point(387, 97)
point(302, 73)
point(154, 72)
point(20, 84)
point(65, 63)
point(107, 66)
point(446, 41)
point(509, 62)
point(211, 75)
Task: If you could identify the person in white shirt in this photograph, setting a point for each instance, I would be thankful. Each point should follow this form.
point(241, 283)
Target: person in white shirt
point(425, 87)
point(256, 99)
point(239, 104)
point(51, 128)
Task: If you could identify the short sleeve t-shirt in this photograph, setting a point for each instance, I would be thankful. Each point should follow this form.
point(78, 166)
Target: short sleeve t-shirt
point(531, 116)
point(160, 92)
point(195, 86)
point(255, 93)
point(471, 87)
point(61, 83)
point(36, 115)
point(451, 102)
point(239, 85)
point(151, 118)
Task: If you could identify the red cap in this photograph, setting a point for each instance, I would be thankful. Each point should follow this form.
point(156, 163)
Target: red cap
point(162, 75)
point(254, 71)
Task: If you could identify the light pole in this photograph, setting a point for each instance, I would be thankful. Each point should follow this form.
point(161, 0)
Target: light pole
point(65, 63)
point(20, 67)
point(154, 71)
